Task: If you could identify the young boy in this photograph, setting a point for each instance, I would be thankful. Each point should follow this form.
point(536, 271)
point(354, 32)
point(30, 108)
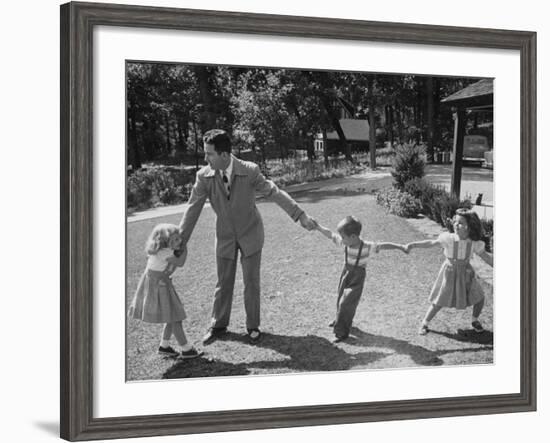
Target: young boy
point(352, 279)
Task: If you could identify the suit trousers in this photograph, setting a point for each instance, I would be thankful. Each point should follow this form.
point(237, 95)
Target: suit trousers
point(223, 295)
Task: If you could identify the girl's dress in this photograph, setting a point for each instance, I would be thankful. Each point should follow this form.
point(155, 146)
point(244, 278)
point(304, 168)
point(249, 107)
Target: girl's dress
point(457, 285)
point(156, 299)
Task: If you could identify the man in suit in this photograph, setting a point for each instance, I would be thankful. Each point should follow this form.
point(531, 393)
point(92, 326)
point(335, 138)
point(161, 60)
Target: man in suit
point(231, 186)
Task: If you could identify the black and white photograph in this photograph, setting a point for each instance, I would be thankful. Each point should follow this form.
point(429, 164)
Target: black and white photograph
point(275, 220)
point(286, 221)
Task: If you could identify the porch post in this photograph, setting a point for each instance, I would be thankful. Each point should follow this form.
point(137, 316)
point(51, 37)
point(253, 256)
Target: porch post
point(458, 147)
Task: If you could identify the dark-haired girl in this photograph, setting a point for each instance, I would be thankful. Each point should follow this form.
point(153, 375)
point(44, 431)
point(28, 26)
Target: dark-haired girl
point(457, 285)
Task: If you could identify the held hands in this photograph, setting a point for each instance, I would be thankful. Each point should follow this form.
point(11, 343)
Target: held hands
point(307, 222)
point(380, 246)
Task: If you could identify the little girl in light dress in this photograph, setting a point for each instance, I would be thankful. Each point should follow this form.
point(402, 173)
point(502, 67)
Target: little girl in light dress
point(156, 299)
point(457, 285)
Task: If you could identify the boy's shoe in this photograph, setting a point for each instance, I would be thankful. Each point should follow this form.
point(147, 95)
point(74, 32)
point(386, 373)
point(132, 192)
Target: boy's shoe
point(423, 330)
point(192, 353)
point(478, 327)
point(254, 335)
point(339, 339)
point(168, 350)
point(213, 334)
point(332, 323)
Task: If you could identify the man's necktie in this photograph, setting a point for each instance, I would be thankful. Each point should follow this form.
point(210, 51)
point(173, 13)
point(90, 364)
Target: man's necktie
point(226, 183)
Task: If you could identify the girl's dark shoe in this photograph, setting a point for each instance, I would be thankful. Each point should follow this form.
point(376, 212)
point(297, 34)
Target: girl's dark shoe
point(192, 353)
point(168, 350)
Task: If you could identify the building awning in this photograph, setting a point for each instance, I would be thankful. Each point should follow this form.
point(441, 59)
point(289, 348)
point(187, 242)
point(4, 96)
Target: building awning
point(476, 95)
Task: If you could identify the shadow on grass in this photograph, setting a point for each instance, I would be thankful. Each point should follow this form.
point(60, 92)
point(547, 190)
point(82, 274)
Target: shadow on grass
point(469, 336)
point(312, 353)
point(420, 355)
point(204, 367)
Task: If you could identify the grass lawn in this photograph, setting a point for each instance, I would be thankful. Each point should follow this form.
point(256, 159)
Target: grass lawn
point(300, 272)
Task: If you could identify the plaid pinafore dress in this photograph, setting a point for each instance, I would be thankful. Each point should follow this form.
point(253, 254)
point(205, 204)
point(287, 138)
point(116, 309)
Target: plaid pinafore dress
point(156, 299)
point(457, 285)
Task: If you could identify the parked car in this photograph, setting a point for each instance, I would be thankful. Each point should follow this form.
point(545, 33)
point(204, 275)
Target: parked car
point(475, 147)
point(489, 159)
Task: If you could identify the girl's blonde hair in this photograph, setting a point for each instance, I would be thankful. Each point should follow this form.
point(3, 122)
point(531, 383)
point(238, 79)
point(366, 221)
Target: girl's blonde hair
point(160, 237)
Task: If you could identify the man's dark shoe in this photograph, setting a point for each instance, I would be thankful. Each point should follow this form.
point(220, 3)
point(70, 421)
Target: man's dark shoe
point(254, 335)
point(477, 326)
point(212, 335)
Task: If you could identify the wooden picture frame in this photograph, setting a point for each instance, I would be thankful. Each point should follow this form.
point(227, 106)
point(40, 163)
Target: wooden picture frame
point(77, 23)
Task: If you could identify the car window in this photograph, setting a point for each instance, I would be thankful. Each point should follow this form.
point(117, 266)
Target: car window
point(475, 140)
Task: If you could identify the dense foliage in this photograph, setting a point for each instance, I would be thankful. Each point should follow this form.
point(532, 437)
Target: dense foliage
point(274, 112)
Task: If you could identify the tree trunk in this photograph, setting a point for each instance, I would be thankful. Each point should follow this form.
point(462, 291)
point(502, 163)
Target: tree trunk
point(372, 128)
point(430, 116)
point(437, 116)
point(325, 150)
point(181, 145)
point(392, 133)
point(134, 151)
point(208, 118)
point(372, 138)
point(168, 143)
point(195, 130)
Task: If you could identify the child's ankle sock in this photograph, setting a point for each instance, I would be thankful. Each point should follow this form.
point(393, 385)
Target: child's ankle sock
point(475, 319)
point(186, 347)
point(164, 343)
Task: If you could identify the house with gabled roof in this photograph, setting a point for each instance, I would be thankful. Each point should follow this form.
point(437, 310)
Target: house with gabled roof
point(355, 130)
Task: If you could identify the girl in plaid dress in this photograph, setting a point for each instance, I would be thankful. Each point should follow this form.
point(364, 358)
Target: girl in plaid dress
point(156, 299)
point(457, 285)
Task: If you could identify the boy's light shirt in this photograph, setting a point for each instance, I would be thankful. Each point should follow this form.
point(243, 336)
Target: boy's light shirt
point(353, 251)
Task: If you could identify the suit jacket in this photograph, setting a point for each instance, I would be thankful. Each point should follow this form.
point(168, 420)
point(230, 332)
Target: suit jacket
point(238, 220)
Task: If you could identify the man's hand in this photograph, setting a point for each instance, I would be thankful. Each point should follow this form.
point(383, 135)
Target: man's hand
point(307, 222)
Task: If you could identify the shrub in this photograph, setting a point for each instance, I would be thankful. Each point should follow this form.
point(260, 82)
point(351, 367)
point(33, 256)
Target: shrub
point(487, 236)
point(408, 164)
point(436, 202)
point(398, 202)
point(139, 189)
point(153, 186)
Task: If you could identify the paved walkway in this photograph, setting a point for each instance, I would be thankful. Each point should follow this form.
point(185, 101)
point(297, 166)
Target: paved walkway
point(366, 181)
point(474, 181)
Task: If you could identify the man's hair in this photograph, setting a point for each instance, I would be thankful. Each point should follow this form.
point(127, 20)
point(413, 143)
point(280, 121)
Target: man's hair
point(349, 226)
point(219, 138)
